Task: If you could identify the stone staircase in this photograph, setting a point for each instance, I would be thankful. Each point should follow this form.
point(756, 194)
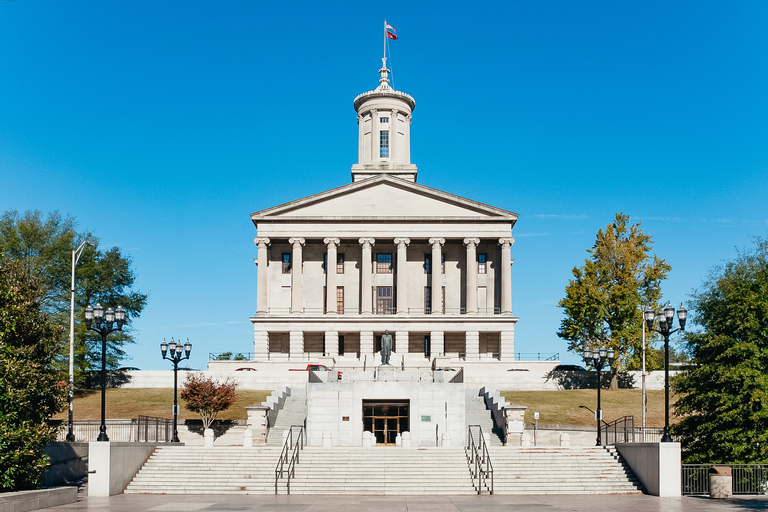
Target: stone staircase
point(561, 470)
point(478, 414)
point(294, 412)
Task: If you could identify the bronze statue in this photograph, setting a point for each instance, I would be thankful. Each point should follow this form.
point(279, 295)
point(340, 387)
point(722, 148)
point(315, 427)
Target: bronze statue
point(386, 347)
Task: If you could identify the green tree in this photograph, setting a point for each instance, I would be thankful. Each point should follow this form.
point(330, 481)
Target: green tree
point(602, 302)
point(30, 387)
point(724, 394)
point(43, 246)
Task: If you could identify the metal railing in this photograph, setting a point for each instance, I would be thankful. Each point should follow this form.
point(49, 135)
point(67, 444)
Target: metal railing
point(217, 356)
point(747, 478)
point(621, 430)
point(289, 457)
point(150, 429)
point(536, 356)
point(479, 460)
point(88, 430)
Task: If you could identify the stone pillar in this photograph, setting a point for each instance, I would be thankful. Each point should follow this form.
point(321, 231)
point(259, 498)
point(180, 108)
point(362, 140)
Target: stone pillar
point(472, 345)
point(297, 345)
point(506, 275)
point(437, 339)
point(407, 159)
point(401, 342)
point(360, 138)
point(375, 135)
point(471, 244)
point(366, 346)
point(260, 346)
point(257, 422)
point(332, 344)
point(366, 280)
point(392, 135)
point(297, 281)
point(262, 285)
point(402, 273)
point(330, 275)
point(507, 346)
point(437, 275)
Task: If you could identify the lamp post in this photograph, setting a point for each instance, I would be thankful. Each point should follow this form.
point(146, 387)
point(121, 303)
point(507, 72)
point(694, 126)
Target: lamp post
point(97, 320)
point(598, 358)
point(664, 319)
point(175, 358)
point(76, 253)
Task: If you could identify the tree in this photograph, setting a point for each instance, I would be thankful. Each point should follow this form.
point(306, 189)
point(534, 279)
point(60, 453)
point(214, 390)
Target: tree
point(724, 394)
point(31, 389)
point(208, 397)
point(602, 302)
point(43, 246)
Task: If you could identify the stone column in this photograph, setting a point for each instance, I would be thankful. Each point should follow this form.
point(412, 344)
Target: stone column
point(366, 280)
point(366, 347)
point(375, 135)
point(297, 345)
point(360, 138)
point(401, 343)
point(407, 159)
point(437, 339)
point(332, 344)
point(297, 281)
point(392, 135)
point(506, 275)
point(471, 244)
point(261, 346)
point(437, 275)
point(402, 272)
point(472, 345)
point(330, 275)
point(262, 300)
point(507, 346)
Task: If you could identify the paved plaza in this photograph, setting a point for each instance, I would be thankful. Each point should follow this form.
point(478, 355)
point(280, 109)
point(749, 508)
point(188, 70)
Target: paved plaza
point(297, 503)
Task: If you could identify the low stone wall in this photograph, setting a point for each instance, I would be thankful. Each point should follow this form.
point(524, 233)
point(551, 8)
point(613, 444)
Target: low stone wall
point(24, 501)
point(68, 463)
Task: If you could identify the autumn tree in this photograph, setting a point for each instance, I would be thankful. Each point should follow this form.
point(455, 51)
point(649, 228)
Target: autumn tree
point(207, 396)
point(31, 390)
point(724, 393)
point(602, 303)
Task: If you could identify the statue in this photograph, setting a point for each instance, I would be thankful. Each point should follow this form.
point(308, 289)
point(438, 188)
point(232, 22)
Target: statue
point(386, 347)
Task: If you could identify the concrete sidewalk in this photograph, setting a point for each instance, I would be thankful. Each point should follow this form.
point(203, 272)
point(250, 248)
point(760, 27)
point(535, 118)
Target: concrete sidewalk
point(298, 503)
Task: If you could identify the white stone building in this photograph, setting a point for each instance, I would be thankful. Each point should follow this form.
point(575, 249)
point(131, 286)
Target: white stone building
point(338, 268)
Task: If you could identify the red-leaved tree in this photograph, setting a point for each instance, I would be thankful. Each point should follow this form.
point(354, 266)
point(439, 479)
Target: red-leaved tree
point(207, 396)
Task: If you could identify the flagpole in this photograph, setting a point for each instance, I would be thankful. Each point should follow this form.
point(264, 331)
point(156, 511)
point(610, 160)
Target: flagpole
point(385, 41)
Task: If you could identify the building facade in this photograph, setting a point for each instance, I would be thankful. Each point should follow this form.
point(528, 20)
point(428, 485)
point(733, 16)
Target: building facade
point(339, 268)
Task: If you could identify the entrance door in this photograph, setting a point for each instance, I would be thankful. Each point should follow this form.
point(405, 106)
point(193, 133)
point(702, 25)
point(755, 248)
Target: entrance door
point(385, 419)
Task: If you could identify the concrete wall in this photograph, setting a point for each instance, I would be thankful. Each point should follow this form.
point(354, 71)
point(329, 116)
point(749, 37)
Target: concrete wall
point(68, 463)
point(112, 466)
point(656, 465)
point(23, 501)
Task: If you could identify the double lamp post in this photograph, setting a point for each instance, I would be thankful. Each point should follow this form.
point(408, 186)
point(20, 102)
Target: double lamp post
point(598, 358)
point(175, 358)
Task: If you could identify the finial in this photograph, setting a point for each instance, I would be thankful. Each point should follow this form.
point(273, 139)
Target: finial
point(384, 80)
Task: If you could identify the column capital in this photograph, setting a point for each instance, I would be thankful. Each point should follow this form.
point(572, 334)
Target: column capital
point(261, 241)
point(296, 241)
point(506, 241)
point(367, 241)
point(374, 111)
point(402, 241)
point(394, 114)
point(437, 241)
point(329, 241)
point(471, 241)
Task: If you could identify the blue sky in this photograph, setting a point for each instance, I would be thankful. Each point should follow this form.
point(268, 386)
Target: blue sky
point(162, 125)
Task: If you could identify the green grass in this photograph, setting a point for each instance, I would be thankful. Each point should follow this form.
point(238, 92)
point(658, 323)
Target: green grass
point(132, 402)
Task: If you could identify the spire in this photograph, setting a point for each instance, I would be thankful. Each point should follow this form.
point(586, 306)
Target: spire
point(384, 80)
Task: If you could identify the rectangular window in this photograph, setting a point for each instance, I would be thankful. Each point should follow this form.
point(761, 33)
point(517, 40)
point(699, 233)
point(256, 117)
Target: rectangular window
point(340, 300)
point(384, 143)
point(384, 300)
point(384, 263)
point(286, 263)
point(427, 300)
point(340, 263)
point(442, 263)
point(481, 264)
point(427, 263)
point(383, 120)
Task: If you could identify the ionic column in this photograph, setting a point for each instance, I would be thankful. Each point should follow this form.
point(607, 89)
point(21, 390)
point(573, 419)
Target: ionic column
point(392, 135)
point(330, 275)
point(374, 135)
point(360, 138)
point(297, 281)
point(471, 244)
point(366, 295)
point(506, 274)
point(437, 275)
point(402, 286)
point(407, 159)
point(262, 298)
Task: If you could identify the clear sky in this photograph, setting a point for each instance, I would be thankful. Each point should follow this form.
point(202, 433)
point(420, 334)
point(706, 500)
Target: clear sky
point(161, 125)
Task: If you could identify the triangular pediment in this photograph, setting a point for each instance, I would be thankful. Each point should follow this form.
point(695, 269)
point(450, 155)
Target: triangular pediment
point(384, 197)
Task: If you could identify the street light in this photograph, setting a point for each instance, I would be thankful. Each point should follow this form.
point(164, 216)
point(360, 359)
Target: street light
point(175, 358)
point(97, 320)
point(664, 318)
point(598, 358)
point(76, 253)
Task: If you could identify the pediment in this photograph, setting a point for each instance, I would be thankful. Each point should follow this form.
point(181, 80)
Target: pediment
point(384, 197)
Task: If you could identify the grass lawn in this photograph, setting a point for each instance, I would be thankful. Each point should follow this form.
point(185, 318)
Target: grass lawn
point(562, 407)
point(132, 402)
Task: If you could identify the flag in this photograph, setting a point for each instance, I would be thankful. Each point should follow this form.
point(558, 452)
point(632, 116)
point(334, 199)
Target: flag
point(390, 31)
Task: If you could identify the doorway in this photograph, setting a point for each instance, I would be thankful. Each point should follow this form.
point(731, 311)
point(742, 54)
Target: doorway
point(385, 419)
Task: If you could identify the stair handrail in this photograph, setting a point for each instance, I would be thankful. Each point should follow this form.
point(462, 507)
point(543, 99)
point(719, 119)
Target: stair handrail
point(621, 430)
point(290, 458)
point(479, 460)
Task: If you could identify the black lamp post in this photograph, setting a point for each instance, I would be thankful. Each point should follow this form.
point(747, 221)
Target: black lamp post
point(96, 319)
point(175, 358)
point(598, 358)
point(665, 318)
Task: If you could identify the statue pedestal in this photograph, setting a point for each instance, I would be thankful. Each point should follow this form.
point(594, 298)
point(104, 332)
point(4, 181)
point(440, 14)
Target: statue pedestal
point(385, 372)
